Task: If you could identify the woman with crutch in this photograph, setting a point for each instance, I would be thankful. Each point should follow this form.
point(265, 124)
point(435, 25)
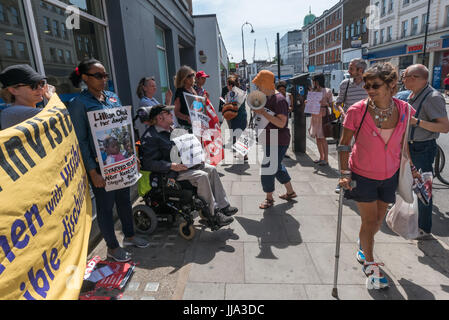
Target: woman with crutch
point(374, 161)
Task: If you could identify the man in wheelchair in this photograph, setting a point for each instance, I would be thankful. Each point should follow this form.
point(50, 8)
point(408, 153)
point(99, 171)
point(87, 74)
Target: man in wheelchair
point(155, 156)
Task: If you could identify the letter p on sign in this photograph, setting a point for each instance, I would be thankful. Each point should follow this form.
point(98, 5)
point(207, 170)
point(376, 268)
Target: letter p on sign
point(73, 20)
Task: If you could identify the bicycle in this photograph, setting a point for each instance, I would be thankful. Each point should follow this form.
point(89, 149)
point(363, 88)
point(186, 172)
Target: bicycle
point(440, 163)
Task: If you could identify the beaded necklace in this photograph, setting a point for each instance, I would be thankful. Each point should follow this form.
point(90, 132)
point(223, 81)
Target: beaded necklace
point(381, 115)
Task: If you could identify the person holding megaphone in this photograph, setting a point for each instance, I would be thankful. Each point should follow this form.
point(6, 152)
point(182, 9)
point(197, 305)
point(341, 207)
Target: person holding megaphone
point(278, 120)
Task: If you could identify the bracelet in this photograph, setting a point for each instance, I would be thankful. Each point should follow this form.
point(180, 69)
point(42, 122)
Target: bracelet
point(342, 176)
point(417, 123)
point(345, 171)
point(413, 168)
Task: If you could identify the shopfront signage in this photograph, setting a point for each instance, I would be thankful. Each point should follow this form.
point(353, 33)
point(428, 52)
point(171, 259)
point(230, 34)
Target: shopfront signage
point(431, 46)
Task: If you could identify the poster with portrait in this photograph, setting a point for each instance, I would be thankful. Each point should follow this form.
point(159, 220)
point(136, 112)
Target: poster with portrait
point(113, 136)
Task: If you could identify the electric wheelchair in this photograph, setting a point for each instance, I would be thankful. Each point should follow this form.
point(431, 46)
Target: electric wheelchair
point(170, 201)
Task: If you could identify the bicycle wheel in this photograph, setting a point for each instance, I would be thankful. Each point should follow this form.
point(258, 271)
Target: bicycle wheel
point(441, 172)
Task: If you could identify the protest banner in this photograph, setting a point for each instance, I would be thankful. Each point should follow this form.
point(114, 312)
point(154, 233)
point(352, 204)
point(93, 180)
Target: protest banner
point(46, 210)
point(313, 104)
point(206, 127)
point(248, 138)
point(113, 136)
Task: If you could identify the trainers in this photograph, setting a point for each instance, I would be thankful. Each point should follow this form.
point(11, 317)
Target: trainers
point(424, 235)
point(137, 242)
point(360, 255)
point(120, 255)
point(337, 189)
point(223, 220)
point(229, 211)
point(375, 278)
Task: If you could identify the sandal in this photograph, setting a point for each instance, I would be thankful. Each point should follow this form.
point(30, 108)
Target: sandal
point(288, 197)
point(267, 203)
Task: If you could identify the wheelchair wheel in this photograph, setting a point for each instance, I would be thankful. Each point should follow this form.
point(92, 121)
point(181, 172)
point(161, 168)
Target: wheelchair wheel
point(145, 220)
point(186, 231)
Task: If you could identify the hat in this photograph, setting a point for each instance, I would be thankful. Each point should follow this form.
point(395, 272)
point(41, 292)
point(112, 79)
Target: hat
point(157, 110)
point(202, 74)
point(21, 73)
point(265, 79)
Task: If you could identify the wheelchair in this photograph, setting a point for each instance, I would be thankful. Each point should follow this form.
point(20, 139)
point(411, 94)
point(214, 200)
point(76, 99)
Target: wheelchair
point(168, 201)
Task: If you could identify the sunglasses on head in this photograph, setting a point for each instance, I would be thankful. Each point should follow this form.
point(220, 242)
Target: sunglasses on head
point(375, 86)
point(37, 85)
point(98, 75)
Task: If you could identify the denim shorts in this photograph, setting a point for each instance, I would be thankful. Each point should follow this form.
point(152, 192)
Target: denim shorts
point(369, 190)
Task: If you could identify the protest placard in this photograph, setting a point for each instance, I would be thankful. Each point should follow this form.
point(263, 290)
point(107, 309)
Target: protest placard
point(190, 150)
point(313, 104)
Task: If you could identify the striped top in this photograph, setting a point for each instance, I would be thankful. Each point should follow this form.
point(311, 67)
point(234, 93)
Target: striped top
point(354, 95)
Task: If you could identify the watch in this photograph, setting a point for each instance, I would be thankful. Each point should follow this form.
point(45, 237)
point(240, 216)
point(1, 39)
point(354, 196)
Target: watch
point(418, 122)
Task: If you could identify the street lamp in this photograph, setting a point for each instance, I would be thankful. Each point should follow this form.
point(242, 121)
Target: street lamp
point(426, 34)
point(243, 48)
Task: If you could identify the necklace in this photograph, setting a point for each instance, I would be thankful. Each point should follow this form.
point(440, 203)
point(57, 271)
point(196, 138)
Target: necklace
point(381, 115)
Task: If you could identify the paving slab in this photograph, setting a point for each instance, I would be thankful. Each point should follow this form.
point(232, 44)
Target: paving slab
point(204, 291)
point(265, 292)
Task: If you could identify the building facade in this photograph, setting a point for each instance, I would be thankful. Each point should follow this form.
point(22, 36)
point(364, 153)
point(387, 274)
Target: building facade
point(400, 35)
point(355, 31)
point(211, 54)
point(324, 39)
point(291, 50)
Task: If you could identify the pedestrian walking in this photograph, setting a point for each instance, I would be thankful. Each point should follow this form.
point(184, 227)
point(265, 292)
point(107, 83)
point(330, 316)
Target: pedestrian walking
point(351, 91)
point(23, 89)
point(94, 98)
point(184, 81)
point(316, 126)
point(279, 121)
point(430, 120)
point(378, 125)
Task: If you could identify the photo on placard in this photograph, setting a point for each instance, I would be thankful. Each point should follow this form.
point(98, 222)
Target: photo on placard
point(115, 145)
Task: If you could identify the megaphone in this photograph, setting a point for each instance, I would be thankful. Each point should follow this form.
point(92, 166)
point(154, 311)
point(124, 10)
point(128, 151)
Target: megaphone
point(256, 100)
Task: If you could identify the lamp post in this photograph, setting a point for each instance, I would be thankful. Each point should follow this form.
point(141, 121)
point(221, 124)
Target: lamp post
point(243, 48)
point(426, 35)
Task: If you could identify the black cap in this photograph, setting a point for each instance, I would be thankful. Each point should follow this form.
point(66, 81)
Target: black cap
point(156, 110)
point(19, 74)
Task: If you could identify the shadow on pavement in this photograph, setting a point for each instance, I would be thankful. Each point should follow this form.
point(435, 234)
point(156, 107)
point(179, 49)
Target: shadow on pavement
point(440, 223)
point(239, 169)
point(415, 292)
point(435, 256)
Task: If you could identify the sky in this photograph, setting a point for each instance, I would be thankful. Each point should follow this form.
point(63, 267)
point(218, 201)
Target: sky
point(268, 17)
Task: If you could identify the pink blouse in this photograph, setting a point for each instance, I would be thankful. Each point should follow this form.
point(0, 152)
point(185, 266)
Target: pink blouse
point(374, 156)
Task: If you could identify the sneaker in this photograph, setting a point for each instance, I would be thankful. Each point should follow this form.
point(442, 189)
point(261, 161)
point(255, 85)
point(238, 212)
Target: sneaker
point(375, 278)
point(337, 189)
point(424, 235)
point(120, 255)
point(137, 242)
point(229, 211)
point(360, 255)
point(223, 220)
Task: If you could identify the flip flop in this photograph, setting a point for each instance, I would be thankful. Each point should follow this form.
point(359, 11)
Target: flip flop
point(288, 197)
point(267, 203)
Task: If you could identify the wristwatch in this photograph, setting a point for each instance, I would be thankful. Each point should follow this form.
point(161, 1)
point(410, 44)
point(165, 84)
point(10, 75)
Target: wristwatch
point(417, 123)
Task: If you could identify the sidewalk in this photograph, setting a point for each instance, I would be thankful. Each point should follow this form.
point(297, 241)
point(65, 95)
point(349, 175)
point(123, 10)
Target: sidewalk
point(285, 252)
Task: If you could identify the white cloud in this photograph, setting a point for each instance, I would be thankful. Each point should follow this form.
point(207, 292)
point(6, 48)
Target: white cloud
point(268, 17)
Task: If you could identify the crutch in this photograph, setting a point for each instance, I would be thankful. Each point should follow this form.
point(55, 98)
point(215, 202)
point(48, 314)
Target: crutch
point(339, 221)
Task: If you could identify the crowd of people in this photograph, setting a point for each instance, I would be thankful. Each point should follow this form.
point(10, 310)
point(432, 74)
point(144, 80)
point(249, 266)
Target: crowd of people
point(373, 119)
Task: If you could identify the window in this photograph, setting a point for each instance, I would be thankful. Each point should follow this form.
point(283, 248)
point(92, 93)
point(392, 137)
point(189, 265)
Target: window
point(405, 2)
point(64, 31)
point(68, 57)
point(60, 56)
point(2, 13)
point(423, 23)
point(15, 20)
point(9, 45)
point(347, 32)
point(414, 29)
point(22, 50)
point(352, 30)
point(404, 28)
point(382, 36)
point(162, 61)
point(47, 27)
point(56, 29)
point(364, 25)
point(389, 33)
point(376, 37)
point(383, 8)
point(358, 30)
point(390, 7)
point(446, 24)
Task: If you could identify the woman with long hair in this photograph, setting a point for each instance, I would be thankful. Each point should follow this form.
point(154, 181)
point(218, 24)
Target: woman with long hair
point(378, 125)
point(184, 81)
point(94, 98)
point(316, 125)
point(146, 89)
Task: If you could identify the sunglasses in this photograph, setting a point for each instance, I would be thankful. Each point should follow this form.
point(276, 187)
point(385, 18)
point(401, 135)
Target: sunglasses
point(98, 75)
point(191, 75)
point(37, 85)
point(375, 86)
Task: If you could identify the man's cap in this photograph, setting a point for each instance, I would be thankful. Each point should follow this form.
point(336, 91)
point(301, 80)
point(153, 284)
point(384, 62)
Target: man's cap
point(19, 74)
point(202, 74)
point(157, 110)
point(265, 79)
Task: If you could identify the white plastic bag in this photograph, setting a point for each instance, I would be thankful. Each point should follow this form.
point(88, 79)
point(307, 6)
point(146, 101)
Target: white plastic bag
point(403, 218)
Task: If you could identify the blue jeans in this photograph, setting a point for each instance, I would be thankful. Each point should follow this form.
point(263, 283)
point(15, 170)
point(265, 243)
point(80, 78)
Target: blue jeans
point(278, 172)
point(104, 203)
point(423, 156)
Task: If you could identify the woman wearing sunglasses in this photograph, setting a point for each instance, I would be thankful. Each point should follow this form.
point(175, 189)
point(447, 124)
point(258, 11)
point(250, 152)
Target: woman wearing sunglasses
point(23, 89)
point(184, 81)
point(378, 125)
point(95, 98)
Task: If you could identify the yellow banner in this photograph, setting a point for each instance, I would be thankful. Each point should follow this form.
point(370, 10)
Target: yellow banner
point(45, 208)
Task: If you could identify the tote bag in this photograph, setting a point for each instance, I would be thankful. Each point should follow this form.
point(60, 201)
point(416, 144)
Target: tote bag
point(405, 172)
point(403, 218)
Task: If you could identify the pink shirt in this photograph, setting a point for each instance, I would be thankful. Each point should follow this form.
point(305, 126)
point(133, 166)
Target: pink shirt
point(371, 157)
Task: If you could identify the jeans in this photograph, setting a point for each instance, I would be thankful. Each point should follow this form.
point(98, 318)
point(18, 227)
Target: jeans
point(105, 202)
point(273, 168)
point(423, 156)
